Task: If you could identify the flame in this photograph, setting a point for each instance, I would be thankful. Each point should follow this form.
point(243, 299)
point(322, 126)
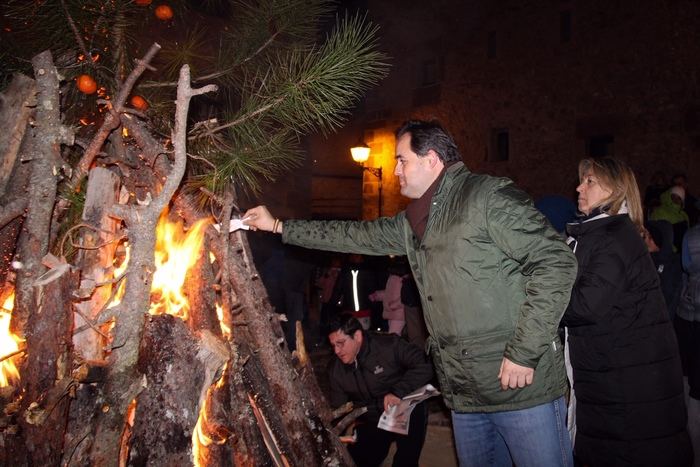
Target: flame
point(201, 437)
point(225, 329)
point(176, 252)
point(9, 343)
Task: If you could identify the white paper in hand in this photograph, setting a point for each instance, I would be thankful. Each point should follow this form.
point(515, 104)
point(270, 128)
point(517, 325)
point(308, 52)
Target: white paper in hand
point(234, 224)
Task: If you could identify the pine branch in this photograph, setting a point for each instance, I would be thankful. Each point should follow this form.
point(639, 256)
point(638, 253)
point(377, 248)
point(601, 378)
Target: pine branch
point(78, 37)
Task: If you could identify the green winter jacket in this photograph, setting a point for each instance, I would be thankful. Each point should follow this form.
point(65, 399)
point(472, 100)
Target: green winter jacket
point(494, 280)
point(668, 210)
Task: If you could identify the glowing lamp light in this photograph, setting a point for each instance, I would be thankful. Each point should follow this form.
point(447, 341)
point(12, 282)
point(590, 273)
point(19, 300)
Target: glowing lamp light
point(360, 152)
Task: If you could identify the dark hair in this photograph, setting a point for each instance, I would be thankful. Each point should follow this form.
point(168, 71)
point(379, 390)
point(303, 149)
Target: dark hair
point(398, 266)
point(345, 323)
point(427, 135)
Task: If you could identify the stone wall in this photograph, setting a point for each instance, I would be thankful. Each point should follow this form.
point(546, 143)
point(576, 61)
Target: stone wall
point(564, 79)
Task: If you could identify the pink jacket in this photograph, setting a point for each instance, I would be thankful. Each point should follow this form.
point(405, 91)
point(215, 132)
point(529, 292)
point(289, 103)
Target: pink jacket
point(391, 298)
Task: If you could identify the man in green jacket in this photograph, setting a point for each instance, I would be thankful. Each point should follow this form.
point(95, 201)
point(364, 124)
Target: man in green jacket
point(494, 280)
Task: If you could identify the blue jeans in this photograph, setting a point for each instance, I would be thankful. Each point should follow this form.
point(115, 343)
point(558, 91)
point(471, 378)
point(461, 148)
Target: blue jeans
point(533, 437)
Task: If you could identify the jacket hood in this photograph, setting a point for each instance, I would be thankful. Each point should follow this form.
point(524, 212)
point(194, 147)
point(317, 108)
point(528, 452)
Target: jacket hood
point(668, 210)
point(668, 203)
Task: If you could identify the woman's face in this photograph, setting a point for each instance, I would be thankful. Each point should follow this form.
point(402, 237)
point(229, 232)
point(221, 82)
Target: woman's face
point(591, 193)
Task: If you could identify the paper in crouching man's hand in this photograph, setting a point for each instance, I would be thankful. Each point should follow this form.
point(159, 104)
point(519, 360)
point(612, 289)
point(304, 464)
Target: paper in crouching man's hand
point(397, 418)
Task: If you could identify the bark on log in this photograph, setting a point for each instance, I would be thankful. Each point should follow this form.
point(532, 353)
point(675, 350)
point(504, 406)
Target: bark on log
point(82, 420)
point(247, 442)
point(47, 135)
point(179, 368)
point(96, 263)
point(16, 105)
point(46, 373)
point(269, 418)
point(314, 443)
point(202, 296)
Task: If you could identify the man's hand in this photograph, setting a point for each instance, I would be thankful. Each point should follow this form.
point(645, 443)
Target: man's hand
point(514, 376)
point(259, 218)
point(390, 400)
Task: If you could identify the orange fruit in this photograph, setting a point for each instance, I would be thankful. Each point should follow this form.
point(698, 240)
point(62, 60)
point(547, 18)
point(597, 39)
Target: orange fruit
point(138, 102)
point(86, 84)
point(164, 12)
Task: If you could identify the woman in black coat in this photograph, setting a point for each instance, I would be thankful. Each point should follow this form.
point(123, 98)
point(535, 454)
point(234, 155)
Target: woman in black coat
point(627, 377)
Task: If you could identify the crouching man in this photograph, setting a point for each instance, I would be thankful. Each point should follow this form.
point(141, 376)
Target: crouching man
point(376, 371)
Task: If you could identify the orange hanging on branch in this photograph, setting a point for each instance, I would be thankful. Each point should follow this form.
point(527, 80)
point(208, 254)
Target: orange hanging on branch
point(139, 102)
point(86, 84)
point(164, 12)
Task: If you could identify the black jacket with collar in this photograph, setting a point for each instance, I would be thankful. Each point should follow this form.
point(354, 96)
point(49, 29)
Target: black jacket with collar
point(385, 364)
point(627, 376)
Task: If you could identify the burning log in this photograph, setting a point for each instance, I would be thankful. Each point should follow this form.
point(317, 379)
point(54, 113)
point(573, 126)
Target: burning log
point(178, 369)
point(312, 443)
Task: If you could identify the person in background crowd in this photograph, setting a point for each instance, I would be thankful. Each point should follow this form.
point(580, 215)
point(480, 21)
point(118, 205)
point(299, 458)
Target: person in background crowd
point(494, 279)
point(376, 371)
point(328, 300)
point(692, 204)
point(671, 210)
point(627, 376)
point(390, 296)
point(658, 236)
point(652, 195)
point(687, 325)
point(286, 277)
point(355, 282)
point(559, 210)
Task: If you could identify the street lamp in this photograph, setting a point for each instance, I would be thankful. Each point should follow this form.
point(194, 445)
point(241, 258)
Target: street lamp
point(360, 153)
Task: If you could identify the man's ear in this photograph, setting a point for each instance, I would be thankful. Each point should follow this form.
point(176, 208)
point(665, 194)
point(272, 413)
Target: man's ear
point(357, 335)
point(433, 158)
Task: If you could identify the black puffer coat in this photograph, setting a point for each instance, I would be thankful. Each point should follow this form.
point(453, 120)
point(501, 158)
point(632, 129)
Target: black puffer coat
point(385, 364)
point(627, 374)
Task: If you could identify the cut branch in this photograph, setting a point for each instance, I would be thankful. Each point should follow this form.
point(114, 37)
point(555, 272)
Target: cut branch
point(112, 119)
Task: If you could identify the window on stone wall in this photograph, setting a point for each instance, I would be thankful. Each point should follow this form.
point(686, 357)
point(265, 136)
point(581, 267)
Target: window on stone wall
point(600, 146)
point(500, 145)
point(491, 45)
point(565, 26)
